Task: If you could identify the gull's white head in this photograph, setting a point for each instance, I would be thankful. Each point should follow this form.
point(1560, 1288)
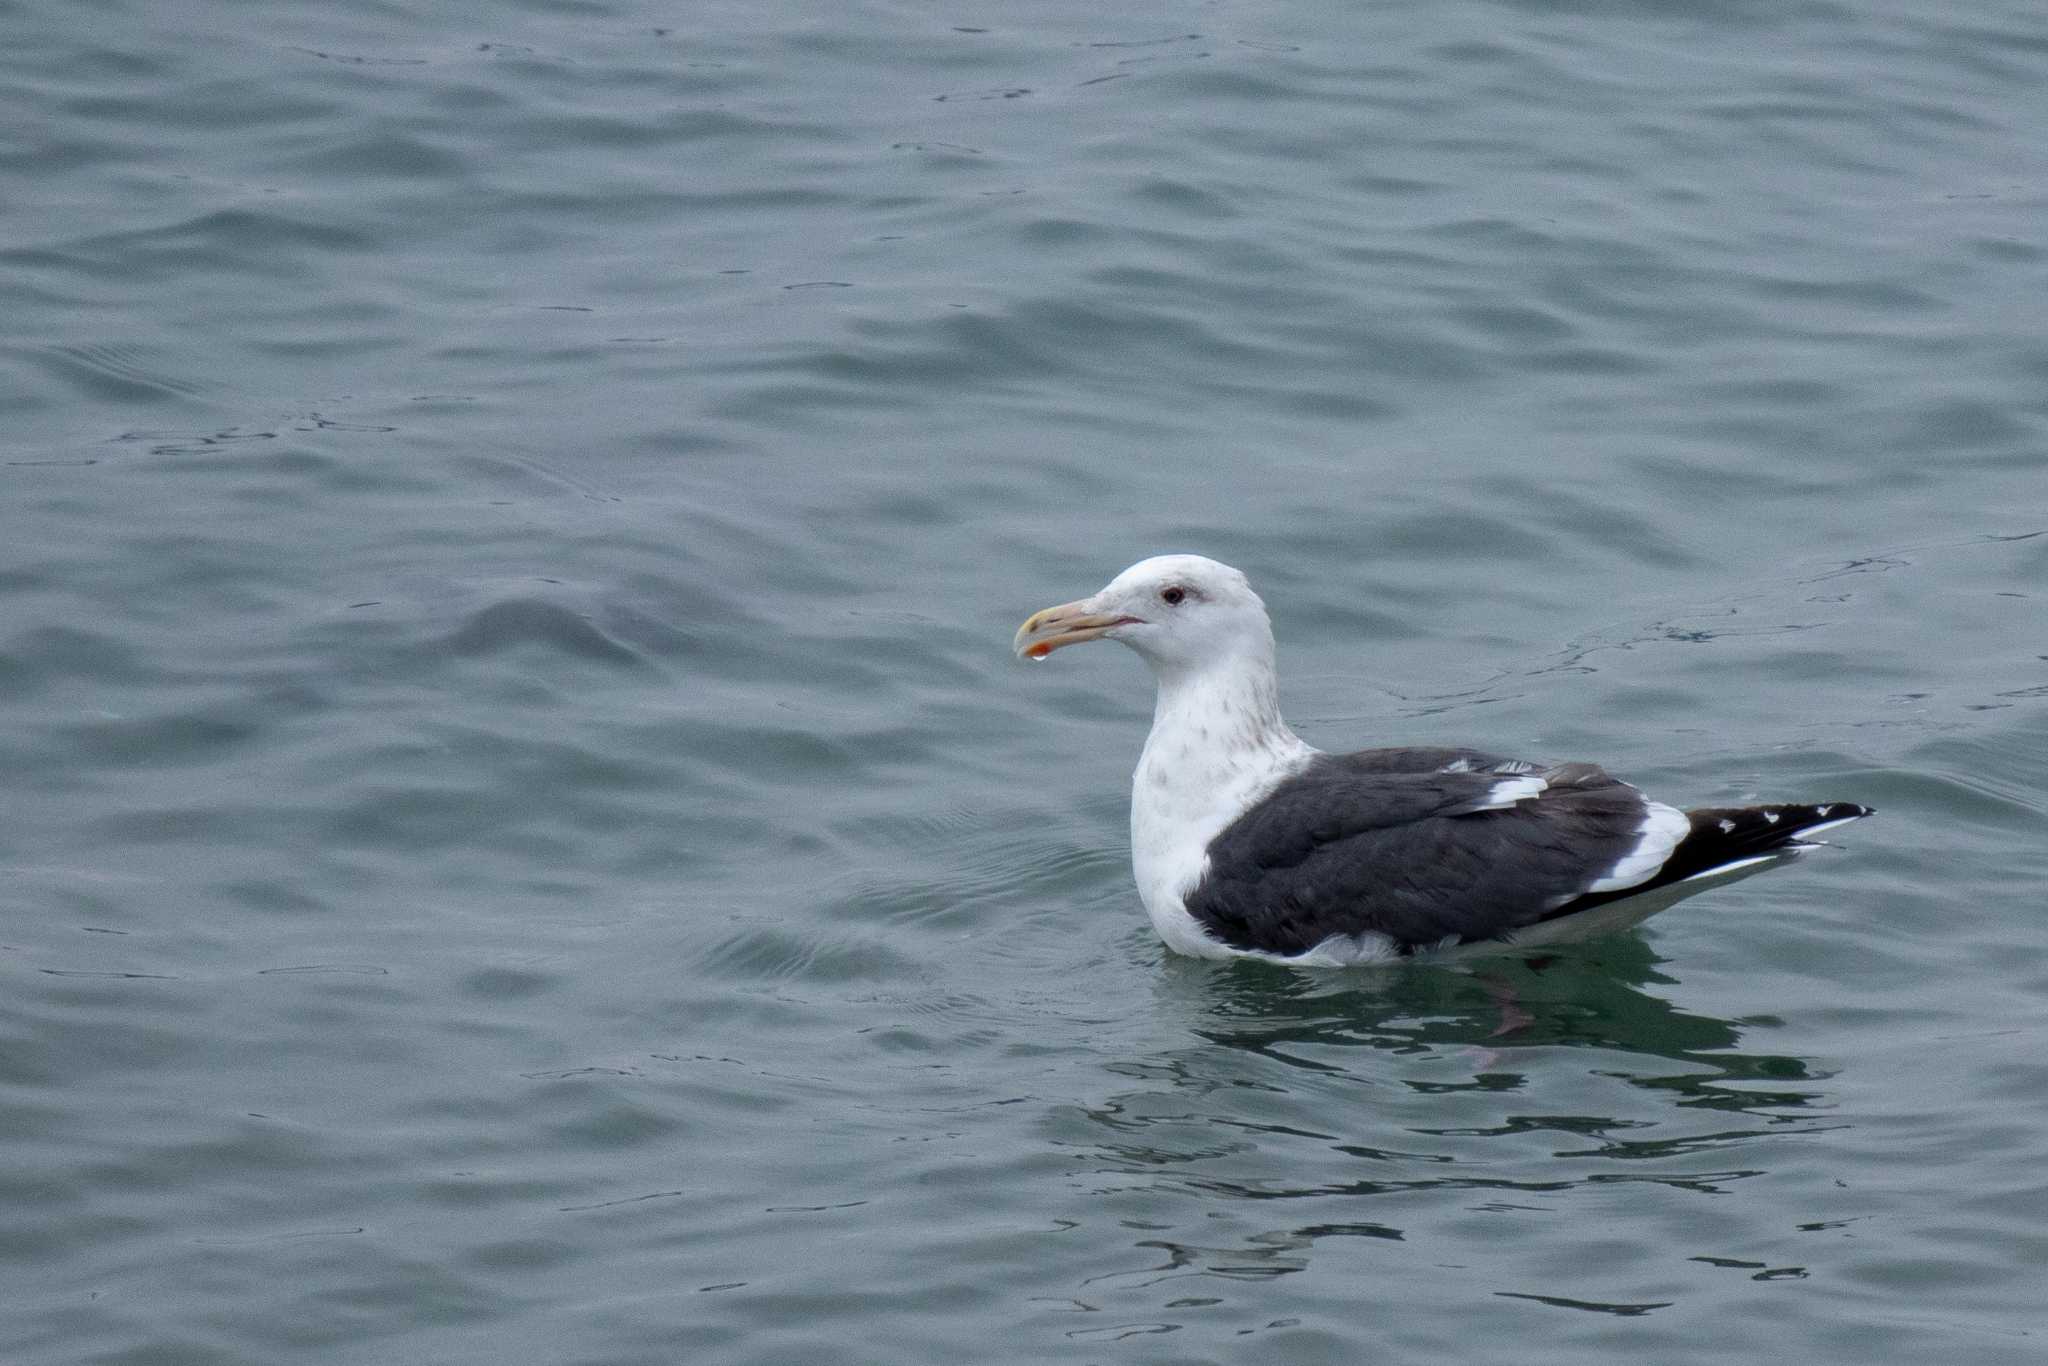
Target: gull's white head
point(1182, 613)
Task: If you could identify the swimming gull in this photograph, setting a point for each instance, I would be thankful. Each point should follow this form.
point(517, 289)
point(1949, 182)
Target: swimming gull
point(1245, 841)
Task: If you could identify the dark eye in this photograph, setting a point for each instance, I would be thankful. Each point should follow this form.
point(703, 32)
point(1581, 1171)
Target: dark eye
point(1173, 597)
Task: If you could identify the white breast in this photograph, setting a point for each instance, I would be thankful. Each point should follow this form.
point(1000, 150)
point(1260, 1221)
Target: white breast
point(1192, 781)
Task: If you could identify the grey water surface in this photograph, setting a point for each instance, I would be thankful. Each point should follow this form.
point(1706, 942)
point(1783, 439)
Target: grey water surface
point(521, 839)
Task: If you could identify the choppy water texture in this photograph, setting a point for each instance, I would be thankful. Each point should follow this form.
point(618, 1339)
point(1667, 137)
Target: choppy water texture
point(522, 839)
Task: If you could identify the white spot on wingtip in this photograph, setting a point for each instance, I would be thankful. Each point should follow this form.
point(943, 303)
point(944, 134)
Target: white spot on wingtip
point(1771, 816)
point(1726, 825)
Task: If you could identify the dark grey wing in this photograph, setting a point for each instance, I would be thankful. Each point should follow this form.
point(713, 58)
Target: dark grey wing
point(1351, 847)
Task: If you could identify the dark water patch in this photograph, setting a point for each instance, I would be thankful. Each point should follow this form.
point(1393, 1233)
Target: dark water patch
point(385, 153)
point(1185, 200)
point(238, 241)
point(184, 738)
point(1974, 779)
point(1591, 1306)
point(620, 1124)
point(1517, 323)
point(1972, 424)
point(85, 972)
point(316, 969)
point(85, 1029)
point(293, 1235)
point(785, 955)
point(507, 984)
point(39, 658)
point(793, 746)
point(624, 1201)
point(119, 372)
point(358, 59)
point(1586, 360)
point(420, 818)
point(511, 624)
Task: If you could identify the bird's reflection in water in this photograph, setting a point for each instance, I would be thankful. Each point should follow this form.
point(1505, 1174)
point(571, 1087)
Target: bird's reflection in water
point(1591, 997)
point(1427, 1106)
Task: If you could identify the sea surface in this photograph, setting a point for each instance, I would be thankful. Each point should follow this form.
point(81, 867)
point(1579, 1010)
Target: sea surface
point(521, 836)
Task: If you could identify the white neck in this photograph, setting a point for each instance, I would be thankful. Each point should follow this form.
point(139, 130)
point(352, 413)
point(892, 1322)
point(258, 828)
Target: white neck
point(1234, 705)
